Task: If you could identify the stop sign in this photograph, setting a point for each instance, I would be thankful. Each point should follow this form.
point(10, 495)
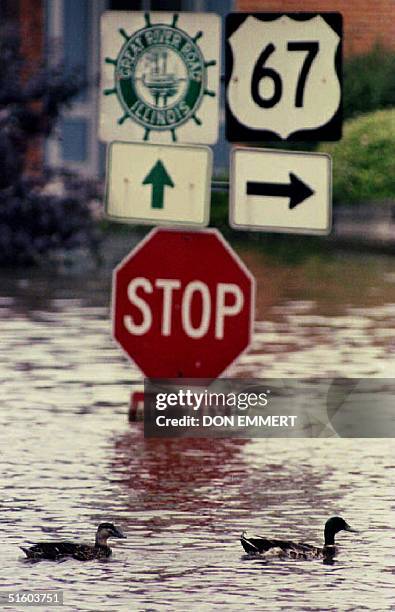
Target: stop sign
point(183, 304)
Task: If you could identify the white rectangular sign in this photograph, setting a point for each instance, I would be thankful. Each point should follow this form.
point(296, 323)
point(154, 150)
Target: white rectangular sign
point(281, 191)
point(158, 184)
point(160, 75)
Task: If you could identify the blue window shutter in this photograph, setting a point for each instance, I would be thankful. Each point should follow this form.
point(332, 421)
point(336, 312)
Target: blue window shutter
point(74, 140)
point(76, 35)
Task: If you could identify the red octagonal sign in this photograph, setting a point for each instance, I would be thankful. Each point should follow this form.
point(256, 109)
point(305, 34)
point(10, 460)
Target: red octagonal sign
point(183, 304)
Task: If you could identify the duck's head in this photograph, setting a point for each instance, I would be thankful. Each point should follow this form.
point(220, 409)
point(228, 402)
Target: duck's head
point(105, 531)
point(333, 526)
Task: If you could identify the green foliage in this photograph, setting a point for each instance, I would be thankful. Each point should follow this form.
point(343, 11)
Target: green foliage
point(219, 210)
point(364, 160)
point(369, 82)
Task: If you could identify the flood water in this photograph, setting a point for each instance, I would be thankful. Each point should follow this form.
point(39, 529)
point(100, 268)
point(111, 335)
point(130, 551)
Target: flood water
point(70, 459)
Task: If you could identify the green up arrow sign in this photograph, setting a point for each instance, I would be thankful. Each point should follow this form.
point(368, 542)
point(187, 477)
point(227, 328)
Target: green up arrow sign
point(158, 177)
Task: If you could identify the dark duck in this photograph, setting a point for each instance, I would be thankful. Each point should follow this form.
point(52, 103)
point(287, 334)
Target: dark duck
point(299, 550)
point(81, 552)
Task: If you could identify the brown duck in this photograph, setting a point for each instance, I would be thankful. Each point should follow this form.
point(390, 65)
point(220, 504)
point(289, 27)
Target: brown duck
point(82, 552)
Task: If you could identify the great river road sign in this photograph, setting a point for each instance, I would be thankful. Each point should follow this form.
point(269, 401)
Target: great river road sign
point(160, 76)
point(183, 304)
point(158, 184)
point(281, 191)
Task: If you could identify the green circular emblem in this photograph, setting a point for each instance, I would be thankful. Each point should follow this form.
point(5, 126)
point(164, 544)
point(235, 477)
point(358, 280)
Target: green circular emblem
point(160, 77)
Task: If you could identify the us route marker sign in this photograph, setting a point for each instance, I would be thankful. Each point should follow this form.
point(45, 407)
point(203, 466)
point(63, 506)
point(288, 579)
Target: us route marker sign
point(281, 191)
point(160, 77)
point(158, 184)
point(283, 75)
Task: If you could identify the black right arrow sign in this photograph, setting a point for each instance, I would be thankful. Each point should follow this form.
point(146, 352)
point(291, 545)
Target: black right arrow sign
point(296, 190)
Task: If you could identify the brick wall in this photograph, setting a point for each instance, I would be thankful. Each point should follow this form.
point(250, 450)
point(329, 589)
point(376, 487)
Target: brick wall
point(364, 21)
point(31, 30)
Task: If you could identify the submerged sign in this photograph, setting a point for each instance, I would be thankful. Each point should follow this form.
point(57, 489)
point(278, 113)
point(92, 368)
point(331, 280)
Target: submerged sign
point(160, 77)
point(176, 315)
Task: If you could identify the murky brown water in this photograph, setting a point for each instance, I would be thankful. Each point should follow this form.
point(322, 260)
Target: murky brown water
point(70, 460)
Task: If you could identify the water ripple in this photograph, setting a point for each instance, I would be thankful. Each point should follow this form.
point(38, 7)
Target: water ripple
point(69, 460)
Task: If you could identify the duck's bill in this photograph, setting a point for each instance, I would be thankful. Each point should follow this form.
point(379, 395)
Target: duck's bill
point(349, 528)
point(119, 534)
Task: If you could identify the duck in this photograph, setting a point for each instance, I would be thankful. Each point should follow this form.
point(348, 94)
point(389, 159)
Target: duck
point(299, 550)
point(82, 552)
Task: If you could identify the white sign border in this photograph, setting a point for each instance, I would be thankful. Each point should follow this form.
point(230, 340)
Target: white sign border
point(270, 228)
point(160, 222)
